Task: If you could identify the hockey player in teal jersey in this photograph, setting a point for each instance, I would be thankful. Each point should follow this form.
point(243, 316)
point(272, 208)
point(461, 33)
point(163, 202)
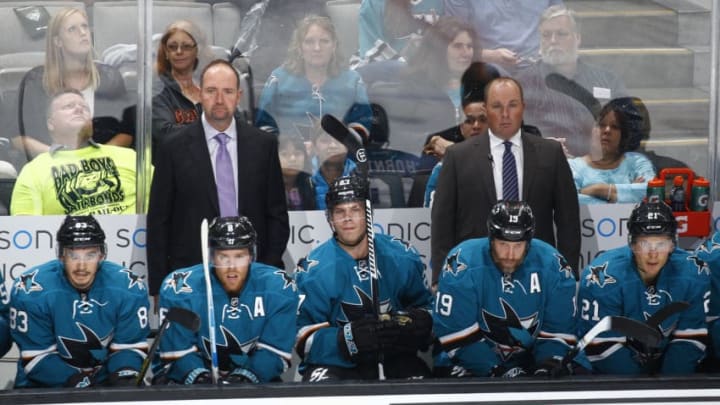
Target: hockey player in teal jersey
point(709, 252)
point(505, 303)
point(255, 307)
point(638, 280)
point(79, 320)
point(340, 334)
point(5, 338)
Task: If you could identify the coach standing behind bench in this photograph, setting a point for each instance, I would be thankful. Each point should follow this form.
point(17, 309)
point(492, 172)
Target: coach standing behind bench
point(216, 166)
point(505, 163)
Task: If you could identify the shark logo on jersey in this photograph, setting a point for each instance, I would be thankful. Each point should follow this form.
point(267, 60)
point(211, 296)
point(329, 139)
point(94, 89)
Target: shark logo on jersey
point(85, 306)
point(713, 245)
point(28, 284)
point(287, 279)
point(178, 282)
point(135, 279)
point(354, 311)
point(454, 265)
point(510, 333)
point(599, 276)
point(408, 247)
point(87, 352)
point(305, 268)
point(654, 297)
point(700, 264)
point(228, 352)
point(564, 267)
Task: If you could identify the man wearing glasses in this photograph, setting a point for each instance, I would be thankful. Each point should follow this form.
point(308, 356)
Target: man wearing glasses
point(79, 320)
point(638, 280)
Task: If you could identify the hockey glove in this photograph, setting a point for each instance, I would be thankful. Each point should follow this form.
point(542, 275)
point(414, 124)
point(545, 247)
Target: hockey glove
point(198, 376)
point(552, 367)
point(415, 329)
point(125, 377)
point(361, 340)
point(500, 371)
point(240, 376)
point(80, 380)
point(649, 358)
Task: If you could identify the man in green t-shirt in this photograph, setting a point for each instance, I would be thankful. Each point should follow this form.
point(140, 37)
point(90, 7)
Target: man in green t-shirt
point(76, 176)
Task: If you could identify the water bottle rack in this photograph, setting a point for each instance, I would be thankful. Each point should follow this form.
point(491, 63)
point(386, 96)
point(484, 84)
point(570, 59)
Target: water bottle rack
point(690, 223)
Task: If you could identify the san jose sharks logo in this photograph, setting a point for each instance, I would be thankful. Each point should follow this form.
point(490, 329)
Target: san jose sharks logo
point(598, 275)
point(178, 282)
point(710, 246)
point(700, 265)
point(232, 348)
point(304, 265)
point(563, 265)
point(453, 264)
point(135, 279)
point(355, 311)
point(287, 279)
point(510, 333)
point(27, 283)
point(89, 351)
point(408, 247)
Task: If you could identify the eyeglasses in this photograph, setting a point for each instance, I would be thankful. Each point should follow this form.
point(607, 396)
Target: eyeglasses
point(180, 47)
point(645, 246)
point(83, 257)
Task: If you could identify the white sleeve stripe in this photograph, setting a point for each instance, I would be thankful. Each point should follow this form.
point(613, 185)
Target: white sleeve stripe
point(34, 362)
point(554, 339)
point(310, 329)
point(125, 346)
point(28, 354)
point(568, 338)
point(177, 354)
point(711, 318)
point(607, 353)
point(285, 355)
point(690, 332)
point(690, 341)
point(308, 345)
point(459, 334)
point(617, 339)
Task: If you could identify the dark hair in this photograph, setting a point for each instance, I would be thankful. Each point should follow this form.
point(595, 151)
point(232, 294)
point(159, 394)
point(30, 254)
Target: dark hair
point(217, 62)
point(430, 59)
point(297, 142)
point(474, 80)
point(629, 119)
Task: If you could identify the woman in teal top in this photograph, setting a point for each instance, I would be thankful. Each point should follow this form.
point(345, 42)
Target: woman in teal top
point(612, 172)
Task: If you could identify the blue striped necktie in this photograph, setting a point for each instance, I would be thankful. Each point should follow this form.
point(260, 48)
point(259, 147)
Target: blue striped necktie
point(509, 174)
point(224, 178)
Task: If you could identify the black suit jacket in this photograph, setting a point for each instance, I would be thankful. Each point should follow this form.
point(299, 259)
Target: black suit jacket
point(466, 192)
point(184, 192)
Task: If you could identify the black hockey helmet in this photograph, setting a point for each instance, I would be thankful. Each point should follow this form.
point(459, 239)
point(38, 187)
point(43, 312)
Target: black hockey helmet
point(79, 231)
point(232, 233)
point(652, 218)
point(346, 189)
point(511, 221)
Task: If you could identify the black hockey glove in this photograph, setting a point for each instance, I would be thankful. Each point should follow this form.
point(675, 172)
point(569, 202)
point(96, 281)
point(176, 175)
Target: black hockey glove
point(500, 371)
point(650, 358)
point(362, 339)
point(415, 329)
point(198, 376)
point(552, 367)
point(125, 377)
point(240, 376)
point(80, 380)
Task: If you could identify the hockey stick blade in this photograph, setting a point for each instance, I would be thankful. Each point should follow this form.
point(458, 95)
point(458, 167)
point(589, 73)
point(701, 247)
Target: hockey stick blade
point(572, 89)
point(183, 317)
point(665, 312)
point(346, 136)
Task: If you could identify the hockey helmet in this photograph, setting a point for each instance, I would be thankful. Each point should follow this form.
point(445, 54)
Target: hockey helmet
point(511, 221)
point(652, 218)
point(232, 233)
point(79, 231)
point(346, 189)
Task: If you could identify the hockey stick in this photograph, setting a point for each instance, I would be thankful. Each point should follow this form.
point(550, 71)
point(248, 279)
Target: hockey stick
point(631, 328)
point(210, 304)
point(653, 363)
point(183, 317)
point(572, 89)
point(353, 143)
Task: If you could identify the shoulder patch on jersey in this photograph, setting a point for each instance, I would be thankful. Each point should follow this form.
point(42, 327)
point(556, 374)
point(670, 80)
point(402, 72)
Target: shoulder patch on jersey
point(408, 247)
point(134, 279)
point(310, 264)
point(700, 264)
point(508, 331)
point(28, 284)
point(355, 311)
point(714, 245)
point(453, 264)
point(599, 276)
point(563, 266)
point(287, 279)
point(85, 352)
point(178, 282)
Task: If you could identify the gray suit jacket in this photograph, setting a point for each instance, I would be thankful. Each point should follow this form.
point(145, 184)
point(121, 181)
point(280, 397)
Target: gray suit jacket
point(466, 192)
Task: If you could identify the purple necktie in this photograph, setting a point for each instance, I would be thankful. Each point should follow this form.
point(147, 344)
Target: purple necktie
point(224, 178)
point(510, 180)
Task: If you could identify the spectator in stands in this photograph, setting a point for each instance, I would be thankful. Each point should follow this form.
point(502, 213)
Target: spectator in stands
point(564, 93)
point(69, 64)
point(506, 33)
point(295, 164)
point(659, 162)
point(331, 163)
point(77, 176)
point(313, 81)
point(179, 54)
point(427, 99)
point(612, 172)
